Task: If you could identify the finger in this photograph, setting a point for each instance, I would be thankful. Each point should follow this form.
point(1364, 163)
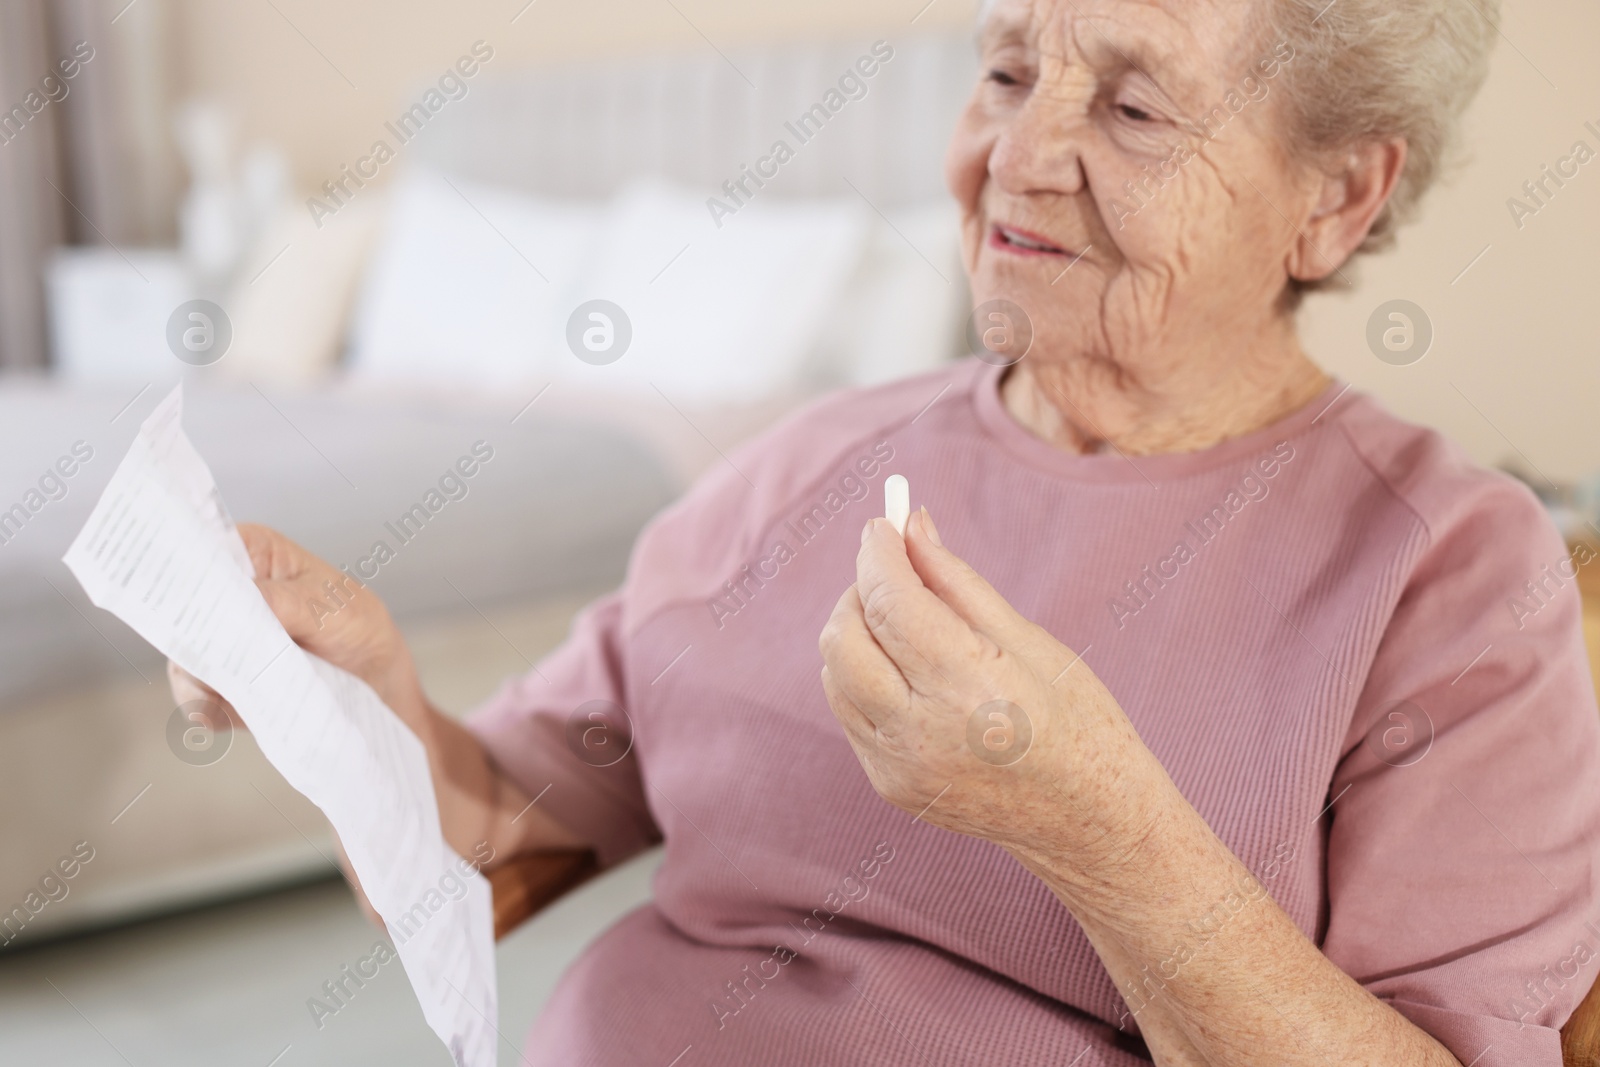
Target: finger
point(857, 663)
point(969, 595)
point(302, 590)
point(186, 689)
point(299, 606)
point(914, 627)
point(273, 555)
point(284, 576)
point(355, 885)
point(858, 727)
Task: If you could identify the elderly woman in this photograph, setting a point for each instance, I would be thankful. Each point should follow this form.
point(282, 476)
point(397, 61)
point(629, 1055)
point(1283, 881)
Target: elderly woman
point(1205, 732)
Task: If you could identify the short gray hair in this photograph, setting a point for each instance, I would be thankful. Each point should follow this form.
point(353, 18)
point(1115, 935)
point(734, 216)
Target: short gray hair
point(1376, 69)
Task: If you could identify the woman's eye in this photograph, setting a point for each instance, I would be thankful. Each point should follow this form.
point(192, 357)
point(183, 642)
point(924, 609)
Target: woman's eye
point(1000, 77)
point(1136, 114)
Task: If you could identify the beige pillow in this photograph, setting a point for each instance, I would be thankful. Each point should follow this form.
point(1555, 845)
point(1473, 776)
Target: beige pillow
point(292, 299)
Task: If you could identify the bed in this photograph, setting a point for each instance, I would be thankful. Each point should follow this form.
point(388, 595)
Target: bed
point(374, 351)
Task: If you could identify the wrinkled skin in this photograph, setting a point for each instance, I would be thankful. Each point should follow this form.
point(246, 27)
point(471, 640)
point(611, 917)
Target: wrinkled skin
point(1160, 325)
point(1160, 330)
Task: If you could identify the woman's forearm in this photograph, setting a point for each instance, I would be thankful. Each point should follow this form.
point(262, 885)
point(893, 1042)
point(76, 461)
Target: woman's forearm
point(1168, 1044)
point(1248, 988)
point(478, 802)
point(483, 814)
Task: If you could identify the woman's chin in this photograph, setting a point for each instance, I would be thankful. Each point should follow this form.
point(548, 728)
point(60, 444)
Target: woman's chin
point(1031, 282)
point(1054, 317)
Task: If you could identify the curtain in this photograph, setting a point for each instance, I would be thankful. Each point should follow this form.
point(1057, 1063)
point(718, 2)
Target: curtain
point(85, 159)
point(32, 218)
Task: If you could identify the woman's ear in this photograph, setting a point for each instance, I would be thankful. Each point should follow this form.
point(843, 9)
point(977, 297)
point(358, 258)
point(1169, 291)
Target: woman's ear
point(1350, 199)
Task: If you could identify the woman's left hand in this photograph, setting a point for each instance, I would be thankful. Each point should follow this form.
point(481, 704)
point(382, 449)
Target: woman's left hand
point(966, 713)
point(979, 721)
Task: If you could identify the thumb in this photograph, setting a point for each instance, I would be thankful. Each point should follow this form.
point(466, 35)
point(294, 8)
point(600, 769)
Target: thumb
point(295, 584)
point(968, 594)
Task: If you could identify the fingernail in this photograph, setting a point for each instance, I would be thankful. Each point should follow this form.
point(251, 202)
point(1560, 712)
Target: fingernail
point(929, 528)
point(866, 531)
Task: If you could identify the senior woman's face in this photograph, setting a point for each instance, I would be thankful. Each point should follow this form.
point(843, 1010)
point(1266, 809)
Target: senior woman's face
point(1129, 286)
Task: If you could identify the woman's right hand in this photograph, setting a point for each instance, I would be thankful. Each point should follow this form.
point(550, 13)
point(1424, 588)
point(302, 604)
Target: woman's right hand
point(329, 613)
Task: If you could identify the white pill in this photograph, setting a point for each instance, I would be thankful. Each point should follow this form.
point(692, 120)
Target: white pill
point(897, 501)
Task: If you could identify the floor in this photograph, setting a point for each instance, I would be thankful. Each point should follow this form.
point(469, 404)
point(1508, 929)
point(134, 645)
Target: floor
point(229, 985)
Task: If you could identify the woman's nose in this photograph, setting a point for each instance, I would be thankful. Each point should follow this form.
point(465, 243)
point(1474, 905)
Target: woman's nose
point(1040, 146)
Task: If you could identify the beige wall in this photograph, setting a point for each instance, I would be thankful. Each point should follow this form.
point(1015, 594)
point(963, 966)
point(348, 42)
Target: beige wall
point(249, 54)
point(1517, 335)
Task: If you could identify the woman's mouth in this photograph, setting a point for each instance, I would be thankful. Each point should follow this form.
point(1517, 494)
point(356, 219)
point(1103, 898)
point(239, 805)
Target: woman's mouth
point(1022, 243)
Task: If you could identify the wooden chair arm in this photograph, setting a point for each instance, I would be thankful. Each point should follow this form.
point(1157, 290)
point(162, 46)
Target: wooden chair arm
point(525, 884)
point(1580, 1038)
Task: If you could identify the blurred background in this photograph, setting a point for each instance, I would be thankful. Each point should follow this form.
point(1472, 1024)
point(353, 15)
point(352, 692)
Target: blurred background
point(359, 233)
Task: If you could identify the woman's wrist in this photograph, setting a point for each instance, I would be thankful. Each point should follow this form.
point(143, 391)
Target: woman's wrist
point(1089, 854)
point(399, 687)
point(1096, 771)
point(1108, 816)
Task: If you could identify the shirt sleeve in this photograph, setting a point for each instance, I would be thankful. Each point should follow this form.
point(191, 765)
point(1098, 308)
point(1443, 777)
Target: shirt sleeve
point(562, 733)
point(1464, 840)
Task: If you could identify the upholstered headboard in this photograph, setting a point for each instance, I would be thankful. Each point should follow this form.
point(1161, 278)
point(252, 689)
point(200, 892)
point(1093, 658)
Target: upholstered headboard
point(585, 128)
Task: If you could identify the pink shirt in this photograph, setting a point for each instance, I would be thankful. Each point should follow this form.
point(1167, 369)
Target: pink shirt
point(1311, 626)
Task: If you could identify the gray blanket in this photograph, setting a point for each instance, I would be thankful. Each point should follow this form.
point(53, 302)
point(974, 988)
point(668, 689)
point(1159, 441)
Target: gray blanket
point(465, 504)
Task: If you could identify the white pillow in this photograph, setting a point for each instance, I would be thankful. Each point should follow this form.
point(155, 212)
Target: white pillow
point(718, 315)
point(453, 294)
point(903, 310)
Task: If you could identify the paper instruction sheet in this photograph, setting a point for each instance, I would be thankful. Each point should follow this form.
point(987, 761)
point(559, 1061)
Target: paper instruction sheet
point(160, 552)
